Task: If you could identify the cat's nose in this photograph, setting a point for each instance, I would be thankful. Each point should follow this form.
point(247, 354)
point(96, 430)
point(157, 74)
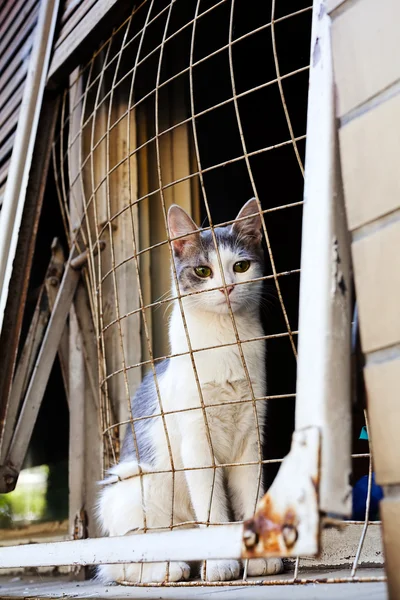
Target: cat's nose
point(228, 288)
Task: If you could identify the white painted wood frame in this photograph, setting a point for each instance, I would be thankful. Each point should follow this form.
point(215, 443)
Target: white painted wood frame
point(323, 396)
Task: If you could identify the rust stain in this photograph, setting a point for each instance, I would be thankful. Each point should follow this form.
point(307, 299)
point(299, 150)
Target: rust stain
point(269, 531)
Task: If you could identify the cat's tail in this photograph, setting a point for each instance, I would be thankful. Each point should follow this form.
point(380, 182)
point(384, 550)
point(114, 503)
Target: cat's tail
point(119, 504)
point(119, 510)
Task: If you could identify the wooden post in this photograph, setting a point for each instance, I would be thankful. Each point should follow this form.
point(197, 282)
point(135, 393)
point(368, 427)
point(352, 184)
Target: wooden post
point(323, 373)
point(85, 453)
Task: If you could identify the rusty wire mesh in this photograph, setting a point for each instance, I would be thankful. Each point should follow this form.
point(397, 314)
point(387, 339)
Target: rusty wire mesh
point(139, 130)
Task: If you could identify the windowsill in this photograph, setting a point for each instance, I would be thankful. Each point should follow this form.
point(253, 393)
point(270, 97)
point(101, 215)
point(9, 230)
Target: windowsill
point(56, 587)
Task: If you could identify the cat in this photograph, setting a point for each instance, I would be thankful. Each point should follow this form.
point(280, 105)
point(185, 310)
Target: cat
point(202, 495)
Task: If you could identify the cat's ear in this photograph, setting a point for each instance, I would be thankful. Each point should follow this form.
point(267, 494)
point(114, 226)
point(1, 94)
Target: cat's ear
point(250, 227)
point(179, 223)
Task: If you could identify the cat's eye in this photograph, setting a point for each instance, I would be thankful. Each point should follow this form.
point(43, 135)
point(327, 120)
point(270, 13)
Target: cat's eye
point(203, 271)
point(241, 266)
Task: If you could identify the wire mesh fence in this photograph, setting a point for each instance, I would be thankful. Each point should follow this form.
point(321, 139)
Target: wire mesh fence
point(200, 104)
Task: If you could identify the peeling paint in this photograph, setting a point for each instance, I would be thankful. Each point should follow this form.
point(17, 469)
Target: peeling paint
point(316, 55)
point(339, 283)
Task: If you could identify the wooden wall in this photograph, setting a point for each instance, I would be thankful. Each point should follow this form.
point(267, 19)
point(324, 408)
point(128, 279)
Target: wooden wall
point(18, 18)
point(17, 29)
point(366, 53)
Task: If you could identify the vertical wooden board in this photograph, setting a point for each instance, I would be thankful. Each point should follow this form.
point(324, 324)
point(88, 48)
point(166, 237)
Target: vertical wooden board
point(85, 458)
point(383, 385)
point(76, 199)
point(23, 194)
point(366, 162)
point(195, 186)
point(24, 370)
point(366, 51)
point(175, 164)
point(94, 151)
point(377, 277)
point(323, 372)
point(144, 235)
point(123, 192)
point(93, 430)
point(76, 377)
point(160, 256)
point(181, 166)
point(390, 513)
point(77, 435)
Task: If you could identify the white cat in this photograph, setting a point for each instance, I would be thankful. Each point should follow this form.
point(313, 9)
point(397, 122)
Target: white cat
point(220, 424)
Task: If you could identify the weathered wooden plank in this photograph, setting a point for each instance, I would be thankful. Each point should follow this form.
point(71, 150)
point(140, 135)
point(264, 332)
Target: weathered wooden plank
point(20, 9)
point(86, 458)
point(24, 369)
point(93, 433)
point(19, 283)
point(69, 8)
point(6, 148)
point(81, 9)
point(120, 289)
point(95, 25)
point(5, 7)
point(15, 101)
point(20, 56)
point(77, 435)
point(4, 171)
point(323, 383)
point(223, 541)
point(2, 189)
point(7, 93)
point(52, 284)
point(24, 194)
point(23, 22)
point(33, 533)
point(9, 125)
point(175, 164)
point(39, 379)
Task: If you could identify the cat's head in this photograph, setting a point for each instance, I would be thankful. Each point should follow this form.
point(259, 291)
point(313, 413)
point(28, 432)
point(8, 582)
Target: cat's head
point(197, 264)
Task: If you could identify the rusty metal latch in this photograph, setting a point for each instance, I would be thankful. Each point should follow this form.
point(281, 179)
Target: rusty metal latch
point(286, 522)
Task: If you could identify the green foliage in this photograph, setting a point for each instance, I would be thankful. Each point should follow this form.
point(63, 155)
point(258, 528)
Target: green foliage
point(28, 501)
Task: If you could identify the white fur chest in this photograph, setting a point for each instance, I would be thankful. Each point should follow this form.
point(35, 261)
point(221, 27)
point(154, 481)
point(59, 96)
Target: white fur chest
point(216, 353)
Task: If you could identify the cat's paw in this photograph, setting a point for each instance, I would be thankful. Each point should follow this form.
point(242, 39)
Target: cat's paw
point(220, 570)
point(264, 566)
point(157, 573)
point(146, 573)
point(119, 573)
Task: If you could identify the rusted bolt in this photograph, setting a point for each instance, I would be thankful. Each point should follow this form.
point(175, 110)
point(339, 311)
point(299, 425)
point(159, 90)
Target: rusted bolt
point(53, 281)
point(289, 534)
point(250, 538)
point(9, 480)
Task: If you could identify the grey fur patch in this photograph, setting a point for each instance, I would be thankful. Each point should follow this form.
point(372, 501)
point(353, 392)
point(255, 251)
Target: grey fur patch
point(197, 254)
point(143, 404)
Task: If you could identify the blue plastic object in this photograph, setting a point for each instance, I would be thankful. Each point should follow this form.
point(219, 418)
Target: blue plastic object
point(360, 491)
